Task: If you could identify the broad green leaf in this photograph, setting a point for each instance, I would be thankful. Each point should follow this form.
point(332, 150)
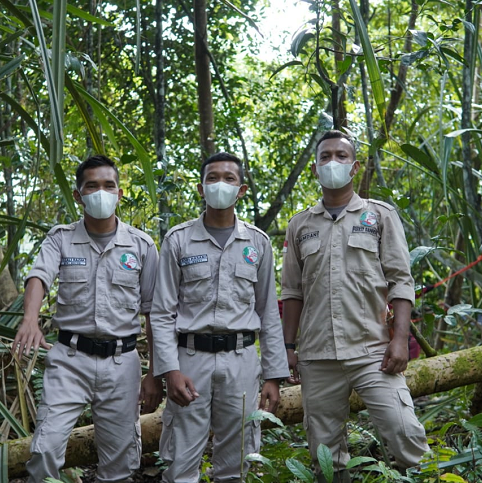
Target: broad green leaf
point(16, 12)
point(371, 62)
point(419, 253)
point(325, 461)
point(300, 40)
point(258, 458)
point(16, 426)
point(66, 190)
point(284, 66)
point(419, 36)
point(359, 460)
point(261, 415)
point(11, 66)
point(476, 420)
point(452, 477)
point(420, 156)
point(300, 471)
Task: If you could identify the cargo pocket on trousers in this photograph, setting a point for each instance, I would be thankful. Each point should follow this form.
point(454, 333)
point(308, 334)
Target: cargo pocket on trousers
point(253, 437)
point(135, 451)
point(41, 420)
point(411, 425)
point(166, 443)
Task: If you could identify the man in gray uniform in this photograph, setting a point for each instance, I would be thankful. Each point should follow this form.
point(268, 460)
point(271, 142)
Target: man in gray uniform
point(106, 271)
point(215, 291)
point(344, 260)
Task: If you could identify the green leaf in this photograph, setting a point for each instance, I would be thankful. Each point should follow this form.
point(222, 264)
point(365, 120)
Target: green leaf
point(300, 471)
point(16, 426)
point(403, 202)
point(476, 420)
point(371, 62)
point(11, 66)
point(419, 36)
point(459, 132)
point(261, 415)
point(419, 253)
point(421, 157)
point(325, 460)
point(66, 190)
point(452, 477)
point(300, 40)
point(4, 462)
point(284, 66)
point(359, 460)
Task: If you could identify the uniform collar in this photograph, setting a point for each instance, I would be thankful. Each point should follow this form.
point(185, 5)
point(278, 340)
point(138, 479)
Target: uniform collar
point(354, 204)
point(200, 233)
point(121, 236)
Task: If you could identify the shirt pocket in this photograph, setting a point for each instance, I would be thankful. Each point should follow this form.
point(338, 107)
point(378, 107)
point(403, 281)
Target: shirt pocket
point(245, 276)
point(73, 285)
point(125, 289)
point(197, 283)
point(362, 253)
point(308, 251)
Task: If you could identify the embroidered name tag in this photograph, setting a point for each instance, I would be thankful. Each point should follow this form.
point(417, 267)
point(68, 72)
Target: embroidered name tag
point(193, 260)
point(308, 236)
point(365, 229)
point(73, 261)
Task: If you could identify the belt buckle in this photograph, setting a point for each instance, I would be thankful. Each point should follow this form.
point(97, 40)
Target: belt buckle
point(103, 349)
point(218, 342)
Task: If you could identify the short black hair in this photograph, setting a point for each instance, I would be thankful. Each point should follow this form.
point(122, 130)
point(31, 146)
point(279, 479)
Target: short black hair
point(223, 157)
point(335, 134)
point(94, 162)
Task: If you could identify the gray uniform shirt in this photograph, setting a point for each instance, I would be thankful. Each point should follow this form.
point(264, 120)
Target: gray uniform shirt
point(345, 272)
point(100, 293)
point(204, 288)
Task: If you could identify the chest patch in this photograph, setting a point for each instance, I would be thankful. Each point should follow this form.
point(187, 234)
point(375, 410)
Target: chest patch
point(307, 236)
point(129, 261)
point(184, 262)
point(368, 218)
point(365, 229)
point(250, 255)
point(69, 261)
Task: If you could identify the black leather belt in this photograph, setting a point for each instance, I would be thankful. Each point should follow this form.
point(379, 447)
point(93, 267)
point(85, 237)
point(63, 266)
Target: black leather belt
point(217, 342)
point(98, 347)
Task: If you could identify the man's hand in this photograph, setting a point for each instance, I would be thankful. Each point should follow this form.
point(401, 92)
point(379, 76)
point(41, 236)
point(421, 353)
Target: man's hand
point(396, 357)
point(180, 388)
point(270, 393)
point(29, 336)
point(152, 393)
point(293, 365)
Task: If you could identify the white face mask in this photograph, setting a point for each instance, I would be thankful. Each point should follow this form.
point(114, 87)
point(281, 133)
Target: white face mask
point(334, 175)
point(220, 195)
point(101, 204)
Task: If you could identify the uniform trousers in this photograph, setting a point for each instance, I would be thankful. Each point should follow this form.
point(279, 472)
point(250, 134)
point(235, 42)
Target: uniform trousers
point(326, 387)
point(221, 379)
point(73, 379)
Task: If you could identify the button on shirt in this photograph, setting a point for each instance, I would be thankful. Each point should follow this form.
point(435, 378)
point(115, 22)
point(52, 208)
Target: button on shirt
point(203, 288)
point(100, 294)
point(345, 272)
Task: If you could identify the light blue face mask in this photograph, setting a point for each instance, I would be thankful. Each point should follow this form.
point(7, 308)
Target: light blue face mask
point(100, 204)
point(220, 195)
point(334, 175)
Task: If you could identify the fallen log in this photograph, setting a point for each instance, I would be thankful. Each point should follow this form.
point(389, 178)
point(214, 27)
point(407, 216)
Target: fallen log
point(424, 377)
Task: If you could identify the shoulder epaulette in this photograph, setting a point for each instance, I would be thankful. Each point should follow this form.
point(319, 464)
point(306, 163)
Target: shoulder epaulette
point(57, 228)
point(141, 234)
point(181, 226)
point(299, 213)
point(388, 206)
point(255, 228)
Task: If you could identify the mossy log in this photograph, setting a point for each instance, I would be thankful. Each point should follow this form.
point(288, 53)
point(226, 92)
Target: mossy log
point(424, 377)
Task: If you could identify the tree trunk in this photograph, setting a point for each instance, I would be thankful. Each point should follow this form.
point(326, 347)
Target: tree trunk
point(203, 74)
point(425, 376)
point(8, 290)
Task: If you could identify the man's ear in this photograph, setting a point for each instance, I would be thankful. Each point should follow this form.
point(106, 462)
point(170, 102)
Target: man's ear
point(356, 167)
point(78, 197)
point(200, 189)
point(313, 170)
point(120, 194)
point(242, 191)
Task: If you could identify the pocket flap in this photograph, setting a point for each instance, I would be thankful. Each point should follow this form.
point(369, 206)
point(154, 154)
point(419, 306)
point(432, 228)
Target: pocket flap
point(74, 275)
point(405, 397)
point(365, 242)
point(126, 278)
point(309, 247)
point(196, 272)
point(246, 271)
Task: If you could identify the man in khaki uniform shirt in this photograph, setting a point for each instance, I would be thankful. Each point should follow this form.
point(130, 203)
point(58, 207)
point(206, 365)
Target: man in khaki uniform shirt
point(215, 291)
point(344, 259)
point(106, 271)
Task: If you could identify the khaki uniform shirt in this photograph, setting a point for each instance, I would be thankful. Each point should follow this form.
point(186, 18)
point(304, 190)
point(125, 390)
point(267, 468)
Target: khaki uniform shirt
point(345, 272)
point(204, 288)
point(100, 294)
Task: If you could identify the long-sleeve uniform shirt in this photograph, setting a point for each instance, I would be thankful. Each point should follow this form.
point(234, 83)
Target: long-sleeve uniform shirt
point(345, 271)
point(100, 293)
point(203, 288)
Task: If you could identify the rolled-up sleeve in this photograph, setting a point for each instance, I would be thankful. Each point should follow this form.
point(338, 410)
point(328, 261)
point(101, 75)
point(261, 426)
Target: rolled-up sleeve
point(273, 354)
point(291, 286)
point(46, 266)
point(395, 259)
point(148, 278)
point(164, 309)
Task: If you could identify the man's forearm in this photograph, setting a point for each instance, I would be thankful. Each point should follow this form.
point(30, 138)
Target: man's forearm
point(292, 309)
point(402, 310)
